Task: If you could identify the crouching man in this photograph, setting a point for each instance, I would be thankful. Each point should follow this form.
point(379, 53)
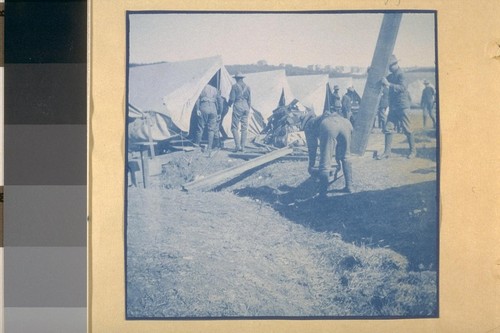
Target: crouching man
point(330, 131)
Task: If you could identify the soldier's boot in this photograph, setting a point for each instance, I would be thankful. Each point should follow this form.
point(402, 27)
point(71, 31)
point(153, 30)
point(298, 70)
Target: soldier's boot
point(236, 137)
point(217, 143)
point(243, 140)
point(411, 143)
point(387, 147)
point(197, 139)
point(425, 120)
point(347, 166)
point(323, 185)
point(210, 143)
point(217, 140)
point(433, 118)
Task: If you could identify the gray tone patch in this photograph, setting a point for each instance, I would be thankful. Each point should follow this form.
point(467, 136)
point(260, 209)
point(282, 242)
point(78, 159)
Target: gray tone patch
point(45, 154)
point(45, 216)
point(45, 276)
point(45, 320)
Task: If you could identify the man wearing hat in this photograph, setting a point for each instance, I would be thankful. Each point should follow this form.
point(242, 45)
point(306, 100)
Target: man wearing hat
point(427, 102)
point(399, 106)
point(347, 100)
point(240, 98)
point(336, 104)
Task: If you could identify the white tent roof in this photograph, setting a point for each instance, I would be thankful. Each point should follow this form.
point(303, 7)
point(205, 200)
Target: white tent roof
point(172, 88)
point(266, 88)
point(309, 90)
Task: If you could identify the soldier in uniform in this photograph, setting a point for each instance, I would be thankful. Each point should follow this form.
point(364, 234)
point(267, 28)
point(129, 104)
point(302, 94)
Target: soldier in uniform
point(427, 103)
point(399, 107)
point(207, 111)
point(240, 98)
point(347, 100)
point(333, 131)
point(336, 105)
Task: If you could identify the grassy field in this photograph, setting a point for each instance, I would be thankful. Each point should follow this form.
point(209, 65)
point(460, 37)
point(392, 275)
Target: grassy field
point(263, 245)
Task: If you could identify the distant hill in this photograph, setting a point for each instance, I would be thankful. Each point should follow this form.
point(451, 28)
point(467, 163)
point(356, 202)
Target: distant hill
point(149, 63)
point(420, 69)
point(290, 70)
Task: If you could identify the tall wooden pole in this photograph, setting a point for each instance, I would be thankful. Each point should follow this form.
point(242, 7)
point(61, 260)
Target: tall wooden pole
point(378, 69)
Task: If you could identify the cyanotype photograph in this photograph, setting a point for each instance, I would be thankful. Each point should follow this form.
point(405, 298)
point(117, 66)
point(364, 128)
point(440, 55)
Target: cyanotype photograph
point(281, 165)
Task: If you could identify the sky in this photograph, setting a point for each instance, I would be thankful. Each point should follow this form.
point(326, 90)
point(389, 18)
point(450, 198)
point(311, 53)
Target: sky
point(298, 39)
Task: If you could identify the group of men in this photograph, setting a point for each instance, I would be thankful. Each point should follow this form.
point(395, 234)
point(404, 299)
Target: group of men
point(211, 108)
point(343, 106)
point(334, 129)
point(331, 131)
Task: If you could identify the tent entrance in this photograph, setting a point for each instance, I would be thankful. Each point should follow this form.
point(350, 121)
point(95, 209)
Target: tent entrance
point(193, 123)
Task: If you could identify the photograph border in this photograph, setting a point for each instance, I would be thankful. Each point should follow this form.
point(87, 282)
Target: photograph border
point(438, 163)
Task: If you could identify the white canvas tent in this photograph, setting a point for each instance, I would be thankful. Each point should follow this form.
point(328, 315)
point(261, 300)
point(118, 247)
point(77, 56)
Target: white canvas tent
point(310, 90)
point(266, 89)
point(170, 90)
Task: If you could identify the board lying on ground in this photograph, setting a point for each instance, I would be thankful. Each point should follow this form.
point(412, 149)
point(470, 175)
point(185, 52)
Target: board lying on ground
point(249, 156)
point(214, 179)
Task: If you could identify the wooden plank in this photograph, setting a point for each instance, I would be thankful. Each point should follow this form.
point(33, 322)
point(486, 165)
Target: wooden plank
point(378, 69)
point(226, 174)
point(180, 142)
point(180, 148)
point(263, 145)
point(249, 156)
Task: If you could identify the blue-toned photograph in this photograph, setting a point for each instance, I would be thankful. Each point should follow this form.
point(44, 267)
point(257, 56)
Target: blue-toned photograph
point(282, 165)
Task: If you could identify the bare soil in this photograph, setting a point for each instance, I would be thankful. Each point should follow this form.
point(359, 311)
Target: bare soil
point(263, 245)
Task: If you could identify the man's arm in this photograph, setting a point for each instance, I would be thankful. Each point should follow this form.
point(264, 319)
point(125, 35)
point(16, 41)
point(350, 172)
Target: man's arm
point(398, 83)
point(197, 106)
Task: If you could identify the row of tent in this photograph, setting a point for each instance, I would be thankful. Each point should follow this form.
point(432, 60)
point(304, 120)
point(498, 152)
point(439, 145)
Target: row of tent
point(167, 93)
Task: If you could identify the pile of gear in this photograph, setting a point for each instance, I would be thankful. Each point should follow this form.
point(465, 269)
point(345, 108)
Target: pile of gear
point(283, 127)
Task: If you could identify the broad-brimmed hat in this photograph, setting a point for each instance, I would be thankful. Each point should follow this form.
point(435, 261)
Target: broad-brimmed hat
point(336, 87)
point(426, 82)
point(393, 60)
point(351, 88)
point(239, 75)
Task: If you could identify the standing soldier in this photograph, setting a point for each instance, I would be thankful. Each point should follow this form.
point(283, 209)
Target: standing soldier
point(333, 131)
point(207, 111)
point(399, 107)
point(336, 104)
point(347, 100)
point(240, 97)
point(427, 103)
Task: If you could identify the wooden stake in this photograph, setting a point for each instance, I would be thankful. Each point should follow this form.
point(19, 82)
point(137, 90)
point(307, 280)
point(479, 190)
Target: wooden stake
point(378, 69)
